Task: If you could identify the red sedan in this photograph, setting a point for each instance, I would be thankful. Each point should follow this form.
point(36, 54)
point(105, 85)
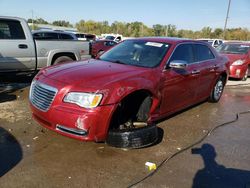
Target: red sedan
point(100, 46)
point(239, 56)
point(118, 96)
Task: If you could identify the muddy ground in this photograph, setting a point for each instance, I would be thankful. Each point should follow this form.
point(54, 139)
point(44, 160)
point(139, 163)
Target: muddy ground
point(31, 156)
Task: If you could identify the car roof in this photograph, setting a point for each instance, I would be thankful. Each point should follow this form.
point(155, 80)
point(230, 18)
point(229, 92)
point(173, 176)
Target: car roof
point(171, 40)
point(12, 18)
point(50, 31)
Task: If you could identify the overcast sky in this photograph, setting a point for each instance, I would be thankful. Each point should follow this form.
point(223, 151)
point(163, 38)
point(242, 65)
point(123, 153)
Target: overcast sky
point(185, 14)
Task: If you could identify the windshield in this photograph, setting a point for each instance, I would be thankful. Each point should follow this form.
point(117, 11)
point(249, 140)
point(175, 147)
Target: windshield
point(137, 52)
point(233, 48)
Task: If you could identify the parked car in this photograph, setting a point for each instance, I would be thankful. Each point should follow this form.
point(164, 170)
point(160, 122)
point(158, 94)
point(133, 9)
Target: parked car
point(114, 37)
point(100, 46)
point(84, 36)
point(53, 35)
point(19, 51)
point(118, 96)
point(239, 56)
point(213, 42)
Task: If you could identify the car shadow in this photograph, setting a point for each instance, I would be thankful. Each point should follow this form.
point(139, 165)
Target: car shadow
point(12, 82)
point(10, 152)
point(179, 112)
point(216, 175)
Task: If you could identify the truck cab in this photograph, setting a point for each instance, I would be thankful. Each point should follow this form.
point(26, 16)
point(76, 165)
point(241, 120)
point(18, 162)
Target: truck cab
point(17, 49)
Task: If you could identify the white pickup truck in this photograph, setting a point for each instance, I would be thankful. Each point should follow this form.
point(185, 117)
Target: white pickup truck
point(20, 52)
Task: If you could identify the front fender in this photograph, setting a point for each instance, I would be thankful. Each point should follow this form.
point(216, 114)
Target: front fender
point(120, 90)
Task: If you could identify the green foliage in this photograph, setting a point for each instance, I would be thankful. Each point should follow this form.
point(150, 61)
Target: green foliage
point(62, 23)
point(37, 21)
point(139, 29)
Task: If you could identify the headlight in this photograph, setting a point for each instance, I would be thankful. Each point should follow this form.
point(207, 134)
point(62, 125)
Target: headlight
point(238, 62)
point(86, 100)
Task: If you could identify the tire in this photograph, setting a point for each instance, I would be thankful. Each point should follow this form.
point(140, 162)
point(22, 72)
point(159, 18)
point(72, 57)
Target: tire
point(245, 76)
point(134, 138)
point(144, 109)
point(217, 90)
point(62, 59)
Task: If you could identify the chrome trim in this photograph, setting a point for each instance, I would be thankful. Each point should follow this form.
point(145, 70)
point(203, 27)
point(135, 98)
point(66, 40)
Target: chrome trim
point(71, 131)
point(42, 95)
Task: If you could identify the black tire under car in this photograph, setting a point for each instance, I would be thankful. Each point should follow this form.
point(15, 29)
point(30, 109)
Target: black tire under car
point(216, 93)
point(133, 138)
point(245, 76)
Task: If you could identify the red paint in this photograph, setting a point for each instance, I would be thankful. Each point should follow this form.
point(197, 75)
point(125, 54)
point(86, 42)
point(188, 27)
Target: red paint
point(234, 57)
point(101, 46)
point(171, 90)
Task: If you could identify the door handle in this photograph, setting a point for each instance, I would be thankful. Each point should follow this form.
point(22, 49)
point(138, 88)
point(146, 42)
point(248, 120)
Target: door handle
point(22, 46)
point(213, 68)
point(195, 72)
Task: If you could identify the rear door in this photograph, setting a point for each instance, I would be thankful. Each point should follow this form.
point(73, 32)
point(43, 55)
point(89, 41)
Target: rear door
point(208, 66)
point(180, 85)
point(17, 51)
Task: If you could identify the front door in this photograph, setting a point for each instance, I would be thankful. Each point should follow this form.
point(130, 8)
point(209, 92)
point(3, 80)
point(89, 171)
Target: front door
point(179, 85)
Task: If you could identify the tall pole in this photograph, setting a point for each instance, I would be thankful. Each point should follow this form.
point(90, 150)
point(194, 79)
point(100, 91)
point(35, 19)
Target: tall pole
point(225, 26)
point(32, 12)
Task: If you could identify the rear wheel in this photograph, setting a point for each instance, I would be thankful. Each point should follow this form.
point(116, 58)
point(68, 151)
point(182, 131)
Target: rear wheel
point(62, 59)
point(217, 90)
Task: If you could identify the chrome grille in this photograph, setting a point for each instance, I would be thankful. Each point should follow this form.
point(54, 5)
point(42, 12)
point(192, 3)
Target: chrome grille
point(42, 95)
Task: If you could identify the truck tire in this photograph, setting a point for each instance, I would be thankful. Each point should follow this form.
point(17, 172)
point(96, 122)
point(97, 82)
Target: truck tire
point(134, 138)
point(62, 59)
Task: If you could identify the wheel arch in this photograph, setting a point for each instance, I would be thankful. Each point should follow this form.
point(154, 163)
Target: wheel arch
point(60, 54)
point(130, 97)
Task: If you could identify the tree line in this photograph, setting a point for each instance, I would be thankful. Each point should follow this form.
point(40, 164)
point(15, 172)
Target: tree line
point(139, 29)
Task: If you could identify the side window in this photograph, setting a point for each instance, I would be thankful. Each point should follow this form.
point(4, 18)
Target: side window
point(66, 37)
point(51, 36)
point(183, 52)
point(11, 29)
point(203, 52)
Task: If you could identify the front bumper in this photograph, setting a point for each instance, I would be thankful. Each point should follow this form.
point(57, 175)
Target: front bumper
point(86, 125)
point(71, 120)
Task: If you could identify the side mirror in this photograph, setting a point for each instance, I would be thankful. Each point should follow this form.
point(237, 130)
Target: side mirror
point(178, 64)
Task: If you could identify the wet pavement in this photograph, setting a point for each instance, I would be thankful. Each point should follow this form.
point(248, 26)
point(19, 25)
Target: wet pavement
point(31, 156)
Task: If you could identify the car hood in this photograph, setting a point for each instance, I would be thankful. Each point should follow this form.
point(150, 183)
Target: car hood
point(92, 73)
point(234, 57)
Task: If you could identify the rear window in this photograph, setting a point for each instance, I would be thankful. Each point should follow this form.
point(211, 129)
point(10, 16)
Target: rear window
point(11, 29)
